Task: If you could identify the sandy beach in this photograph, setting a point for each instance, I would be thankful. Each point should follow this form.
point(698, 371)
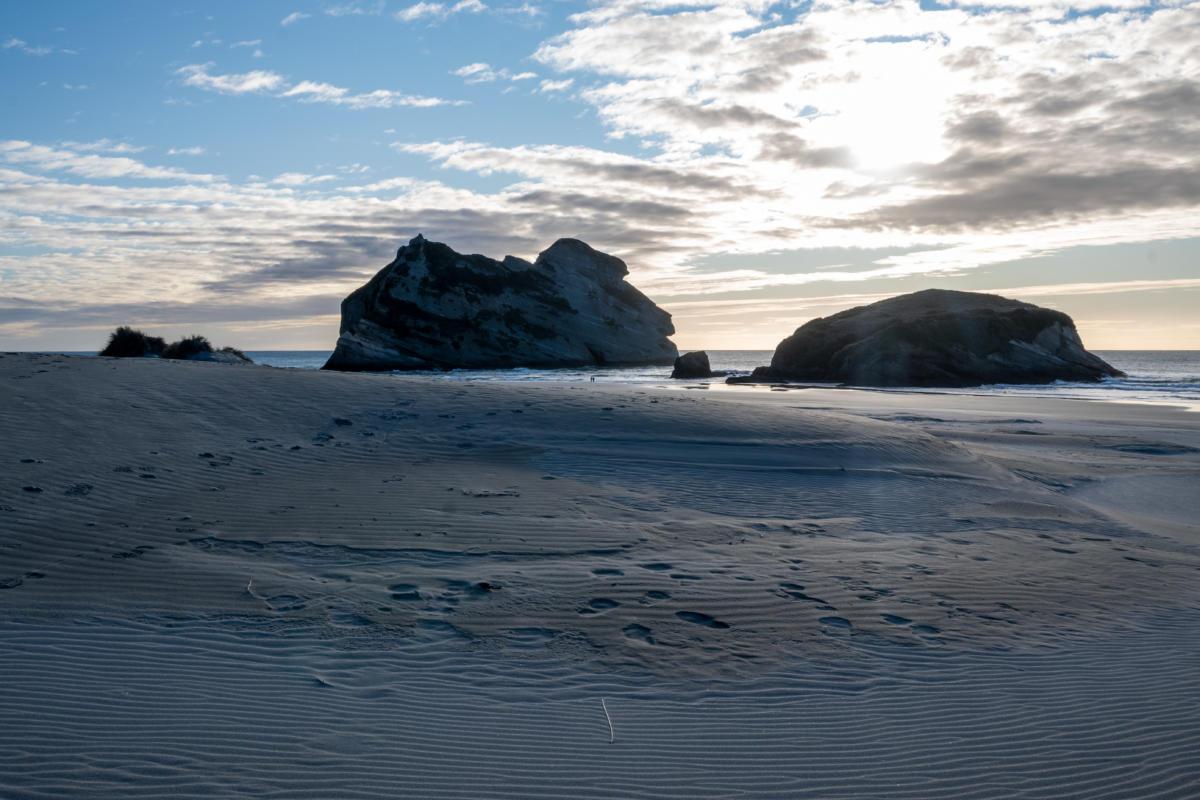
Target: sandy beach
point(224, 580)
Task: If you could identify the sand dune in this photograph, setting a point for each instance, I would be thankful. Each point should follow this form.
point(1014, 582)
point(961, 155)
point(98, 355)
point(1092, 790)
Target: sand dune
point(241, 581)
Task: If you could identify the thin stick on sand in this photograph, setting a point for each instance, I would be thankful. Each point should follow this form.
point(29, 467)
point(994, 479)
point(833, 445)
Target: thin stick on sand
point(611, 735)
point(250, 591)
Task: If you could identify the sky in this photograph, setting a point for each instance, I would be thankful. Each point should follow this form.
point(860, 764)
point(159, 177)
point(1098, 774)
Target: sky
point(235, 169)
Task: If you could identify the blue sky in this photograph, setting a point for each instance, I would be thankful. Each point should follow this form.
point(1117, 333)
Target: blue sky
point(125, 58)
point(236, 168)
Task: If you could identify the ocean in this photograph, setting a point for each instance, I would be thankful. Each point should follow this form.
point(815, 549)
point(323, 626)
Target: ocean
point(1168, 377)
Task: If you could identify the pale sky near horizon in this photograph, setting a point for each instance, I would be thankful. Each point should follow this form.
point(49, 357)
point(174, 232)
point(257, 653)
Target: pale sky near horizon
point(235, 169)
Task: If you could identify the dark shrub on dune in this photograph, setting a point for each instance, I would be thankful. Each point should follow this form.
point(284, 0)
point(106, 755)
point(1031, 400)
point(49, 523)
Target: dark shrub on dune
point(198, 348)
point(125, 342)
point(188, 347)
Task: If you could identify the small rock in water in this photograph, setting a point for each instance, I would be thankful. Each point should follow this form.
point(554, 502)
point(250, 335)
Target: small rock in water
point(694, 365)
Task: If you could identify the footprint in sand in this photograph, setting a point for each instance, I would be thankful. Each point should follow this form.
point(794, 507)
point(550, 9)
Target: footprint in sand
point(598, 605)
point(794, 590)
point(697, 618)
point(404, 591)
point(443, 628)
point(529, 637)
point(286, 602)
point(136, 552)
point(638, 632)
point(837, 623)
point(344, 618)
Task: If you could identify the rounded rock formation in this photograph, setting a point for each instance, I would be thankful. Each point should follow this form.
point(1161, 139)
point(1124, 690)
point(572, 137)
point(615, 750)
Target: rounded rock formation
point(936, 338)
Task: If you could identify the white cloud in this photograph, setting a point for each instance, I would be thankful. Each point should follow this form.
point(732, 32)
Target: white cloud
point(556, 86)
point(187, 151)
point(88, 165)
point(480, 72)
point(439, 11)
point(103, 146)
point(13, 43)
point(387, 185)
point(246, 43)
point(316, 92)
point(19, 44)
point(293, 18)
point(258, 80)
point(300, 179)
point(356, 9)
point(419, 11)
point(528, 10)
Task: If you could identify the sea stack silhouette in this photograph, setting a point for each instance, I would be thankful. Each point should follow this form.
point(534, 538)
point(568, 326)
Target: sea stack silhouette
point(434, 308)
point(936, 338)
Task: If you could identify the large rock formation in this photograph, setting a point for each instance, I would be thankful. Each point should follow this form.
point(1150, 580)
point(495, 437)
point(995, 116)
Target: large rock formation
point(936, 338)
point(433, 308)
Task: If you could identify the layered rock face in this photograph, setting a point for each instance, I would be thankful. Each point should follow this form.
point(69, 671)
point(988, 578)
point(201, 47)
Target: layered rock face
point(936, 338)
point(433, 308)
